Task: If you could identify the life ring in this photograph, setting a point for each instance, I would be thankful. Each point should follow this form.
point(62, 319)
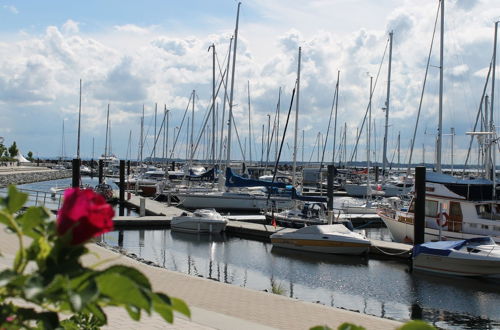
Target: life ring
point(446, 218)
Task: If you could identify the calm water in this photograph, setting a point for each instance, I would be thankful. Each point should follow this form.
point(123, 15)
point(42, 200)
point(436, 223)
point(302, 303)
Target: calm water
point(376, 287)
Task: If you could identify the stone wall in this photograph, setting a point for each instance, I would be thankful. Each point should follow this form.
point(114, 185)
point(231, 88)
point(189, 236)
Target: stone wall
point(29, 177)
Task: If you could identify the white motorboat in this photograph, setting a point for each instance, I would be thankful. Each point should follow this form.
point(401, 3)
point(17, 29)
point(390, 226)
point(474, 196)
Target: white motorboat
point(478, 256)
point(201, 221)
point(455, 209)
point(335, 239)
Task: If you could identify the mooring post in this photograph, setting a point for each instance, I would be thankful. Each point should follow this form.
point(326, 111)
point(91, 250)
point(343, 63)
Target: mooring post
point(128, 167)
point(419, 219)
point(142, 207)
point(92, 168)
point(329, 192)
point(122, 188)
point(75, 183)
point(100, 171)
point(376, 174)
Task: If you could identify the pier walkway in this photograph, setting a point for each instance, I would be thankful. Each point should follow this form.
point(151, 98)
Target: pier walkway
point(159, 215)
point(214, 305)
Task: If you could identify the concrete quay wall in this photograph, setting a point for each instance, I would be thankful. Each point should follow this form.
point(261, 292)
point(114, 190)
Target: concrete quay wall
point(33, 175)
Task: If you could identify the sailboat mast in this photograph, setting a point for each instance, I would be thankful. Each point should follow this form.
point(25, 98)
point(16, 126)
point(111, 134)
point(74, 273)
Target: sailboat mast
point(231, 93)
point(79, 119)
point(336, 111)
point(141, 142)
point(368, 188)
point(440, 123)
point(249, 126)
point(492, 128)
point(384, 155)
point(154, 138)
point(294, 177)
point(106, 139)
point(191, 150)
point(213, 104)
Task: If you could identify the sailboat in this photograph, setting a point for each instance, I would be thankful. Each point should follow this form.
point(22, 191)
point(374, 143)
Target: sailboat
point(455, 209)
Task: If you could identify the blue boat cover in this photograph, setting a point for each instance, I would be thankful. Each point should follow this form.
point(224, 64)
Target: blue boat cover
point(441, 248)
point(233, 180)
point(300, 197)
point(448, 179)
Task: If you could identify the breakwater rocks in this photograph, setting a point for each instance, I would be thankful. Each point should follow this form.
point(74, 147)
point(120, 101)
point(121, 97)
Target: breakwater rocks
point(32, 176)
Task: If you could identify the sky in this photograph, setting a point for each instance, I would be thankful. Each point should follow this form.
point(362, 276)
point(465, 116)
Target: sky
point(132, 55)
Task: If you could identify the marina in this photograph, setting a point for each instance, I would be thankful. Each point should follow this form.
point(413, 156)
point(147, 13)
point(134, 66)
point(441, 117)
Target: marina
point(379, 285)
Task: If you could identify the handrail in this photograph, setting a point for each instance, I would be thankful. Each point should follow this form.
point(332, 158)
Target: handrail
point(40, 198)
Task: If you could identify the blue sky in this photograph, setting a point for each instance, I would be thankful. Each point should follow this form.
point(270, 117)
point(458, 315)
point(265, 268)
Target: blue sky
point(131, 53)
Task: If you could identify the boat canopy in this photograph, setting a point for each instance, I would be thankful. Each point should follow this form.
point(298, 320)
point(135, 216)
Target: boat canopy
point(209, 175)
point(473, 190)
point(323, 229)
point(300, 197)
point(233, 180)
point(448, 179)
point(444, 248)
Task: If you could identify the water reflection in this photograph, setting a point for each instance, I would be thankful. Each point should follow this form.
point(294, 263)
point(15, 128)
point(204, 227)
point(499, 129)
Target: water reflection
point(375, 287)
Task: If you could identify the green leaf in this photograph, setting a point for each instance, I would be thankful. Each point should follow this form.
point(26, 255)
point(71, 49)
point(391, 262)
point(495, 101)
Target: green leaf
point(58, 283)
point(32, 218)
point(417, 325)
point(97, 311)
point(350, 326)
point(133, 312)
point(75, 300)
point(5, 218)
point(132, 274)
point(323, 327)
point(6, 276)
point(88, 292)
point(161, 305)
point(121, 290)
point(180, 306)
point(33, 287)
point(15, 199)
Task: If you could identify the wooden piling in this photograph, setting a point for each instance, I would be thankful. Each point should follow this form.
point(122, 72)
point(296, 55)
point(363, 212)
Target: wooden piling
point(75, 183)
point(419, 219)
point(122, 188)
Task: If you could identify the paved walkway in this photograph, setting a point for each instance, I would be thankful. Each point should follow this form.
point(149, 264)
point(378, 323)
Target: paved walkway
point(215, 305)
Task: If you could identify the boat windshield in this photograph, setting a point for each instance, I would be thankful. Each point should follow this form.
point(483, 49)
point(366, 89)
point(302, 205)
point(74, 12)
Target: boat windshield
point(480, 241)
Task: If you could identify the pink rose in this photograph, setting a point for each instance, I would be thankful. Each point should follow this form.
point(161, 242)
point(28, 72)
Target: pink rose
point(86, 213)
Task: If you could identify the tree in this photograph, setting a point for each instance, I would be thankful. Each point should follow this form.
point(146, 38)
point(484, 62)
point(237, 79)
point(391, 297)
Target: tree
point(13, 151)
point(2, 149)
point(30, 156)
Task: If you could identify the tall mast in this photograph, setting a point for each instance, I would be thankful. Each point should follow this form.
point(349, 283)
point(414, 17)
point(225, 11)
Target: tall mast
point(79, 119)
point(294, 177)
point(384, 154)
point(440, 123)
point(154, 138)
point(369, 132)
point(213, 104)
point(106, 140)
point(278, 122)
point(141, 142)
point(336, 111)
point(191, 150)
point(492, 127)
point(249, 126)
point(166, 134)
point(231, 93)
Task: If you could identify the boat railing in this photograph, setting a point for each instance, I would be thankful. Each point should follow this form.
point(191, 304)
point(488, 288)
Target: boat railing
point(50, 200)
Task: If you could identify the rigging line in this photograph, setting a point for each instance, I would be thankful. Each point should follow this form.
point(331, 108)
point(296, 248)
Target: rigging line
point(316, 143)
point(335, 96)
point(282, 141)
point(180, 128)
point(423, 89)
point(477, 117)
point(238, 136)
point(370, 102)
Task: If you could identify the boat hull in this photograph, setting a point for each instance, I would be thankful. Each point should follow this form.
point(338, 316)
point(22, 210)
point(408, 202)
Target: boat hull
point(456, 266)
point(186, 224)
point(322, 246)
point(244, 202)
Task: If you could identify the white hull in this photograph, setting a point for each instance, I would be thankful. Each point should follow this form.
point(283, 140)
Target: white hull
point(449, 265)
point(233, 201)
point(403, 232)
point(201, 221)
point(334, 239)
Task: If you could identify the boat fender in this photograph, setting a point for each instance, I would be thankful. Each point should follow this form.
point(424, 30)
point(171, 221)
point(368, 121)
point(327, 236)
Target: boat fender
point(446, 218)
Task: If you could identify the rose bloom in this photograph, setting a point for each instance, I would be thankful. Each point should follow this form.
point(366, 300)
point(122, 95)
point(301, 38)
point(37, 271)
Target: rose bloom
point(86, 213)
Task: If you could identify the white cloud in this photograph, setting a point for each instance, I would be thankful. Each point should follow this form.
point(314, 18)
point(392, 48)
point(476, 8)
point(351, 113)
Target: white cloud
point(11, 8)
point(131, 28)
point(70, 27)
